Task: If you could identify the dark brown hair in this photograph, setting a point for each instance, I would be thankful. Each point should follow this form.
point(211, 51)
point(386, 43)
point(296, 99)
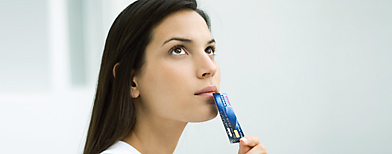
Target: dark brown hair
point(113, 115)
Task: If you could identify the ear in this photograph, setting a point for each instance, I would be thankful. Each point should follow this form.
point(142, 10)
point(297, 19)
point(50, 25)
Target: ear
point(135, 93)
point(114, 69)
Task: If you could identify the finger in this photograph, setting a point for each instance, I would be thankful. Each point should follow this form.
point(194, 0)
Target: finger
point(258, 149)
point(251, 140)
point(244, 148)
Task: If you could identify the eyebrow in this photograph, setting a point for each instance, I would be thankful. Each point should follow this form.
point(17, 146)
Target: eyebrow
point(184, 40)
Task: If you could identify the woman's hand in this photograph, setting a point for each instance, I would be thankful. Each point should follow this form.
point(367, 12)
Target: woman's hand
point(251, 145)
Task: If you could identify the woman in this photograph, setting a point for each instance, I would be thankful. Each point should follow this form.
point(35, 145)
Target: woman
point(157, 74)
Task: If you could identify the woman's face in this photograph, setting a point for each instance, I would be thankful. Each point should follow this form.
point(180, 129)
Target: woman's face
point(179, 75)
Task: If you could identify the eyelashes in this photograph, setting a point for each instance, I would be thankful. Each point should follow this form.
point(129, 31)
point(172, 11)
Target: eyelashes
point(181, 50)
point(178, 50)
point(210, 50)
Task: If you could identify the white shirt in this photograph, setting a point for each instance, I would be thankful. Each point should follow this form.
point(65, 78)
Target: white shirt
point(121, 147)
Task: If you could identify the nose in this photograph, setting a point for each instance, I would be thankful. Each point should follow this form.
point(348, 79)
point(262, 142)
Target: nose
point(206, 66)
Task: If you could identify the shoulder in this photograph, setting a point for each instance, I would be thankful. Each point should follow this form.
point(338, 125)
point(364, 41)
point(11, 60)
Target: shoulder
point(121, 147)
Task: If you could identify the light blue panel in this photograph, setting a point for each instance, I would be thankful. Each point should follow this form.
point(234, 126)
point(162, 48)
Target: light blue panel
point(77, 43)
point(24, 60)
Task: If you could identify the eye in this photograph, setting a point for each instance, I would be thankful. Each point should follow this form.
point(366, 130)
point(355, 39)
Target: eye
point(178, 50)
point(210, 50)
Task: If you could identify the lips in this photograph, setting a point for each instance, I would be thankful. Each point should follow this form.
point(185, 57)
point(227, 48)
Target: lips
point(207, 91)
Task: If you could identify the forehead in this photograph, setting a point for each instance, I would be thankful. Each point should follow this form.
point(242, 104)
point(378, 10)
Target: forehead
point(184, 23)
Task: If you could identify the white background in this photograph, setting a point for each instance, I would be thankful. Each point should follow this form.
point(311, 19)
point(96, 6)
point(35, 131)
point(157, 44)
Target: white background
point(306, 76)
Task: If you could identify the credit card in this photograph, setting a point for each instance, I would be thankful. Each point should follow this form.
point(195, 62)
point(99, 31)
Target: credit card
point(229, 119)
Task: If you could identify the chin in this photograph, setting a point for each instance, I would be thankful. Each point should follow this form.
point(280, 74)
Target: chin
point(211, 114)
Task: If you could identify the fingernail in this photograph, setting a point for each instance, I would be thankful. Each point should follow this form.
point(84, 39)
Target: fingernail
point(244, 139)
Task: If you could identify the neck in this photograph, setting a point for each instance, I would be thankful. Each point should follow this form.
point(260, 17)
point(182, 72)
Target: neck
point(155, 135)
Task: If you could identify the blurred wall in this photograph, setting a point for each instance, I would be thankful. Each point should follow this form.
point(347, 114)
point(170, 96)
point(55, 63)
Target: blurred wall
point(305, 76)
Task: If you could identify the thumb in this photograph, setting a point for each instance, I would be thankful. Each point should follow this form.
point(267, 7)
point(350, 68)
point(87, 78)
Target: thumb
point(244, 147)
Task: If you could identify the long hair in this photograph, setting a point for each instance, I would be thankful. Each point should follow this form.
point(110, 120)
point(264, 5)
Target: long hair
point(113, 114)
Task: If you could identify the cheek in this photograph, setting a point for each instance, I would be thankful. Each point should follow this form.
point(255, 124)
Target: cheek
point(170, 78)
point(165, 85)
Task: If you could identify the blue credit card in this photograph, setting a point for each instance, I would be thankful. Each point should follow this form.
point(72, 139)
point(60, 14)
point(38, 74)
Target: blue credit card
point(229, 119)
